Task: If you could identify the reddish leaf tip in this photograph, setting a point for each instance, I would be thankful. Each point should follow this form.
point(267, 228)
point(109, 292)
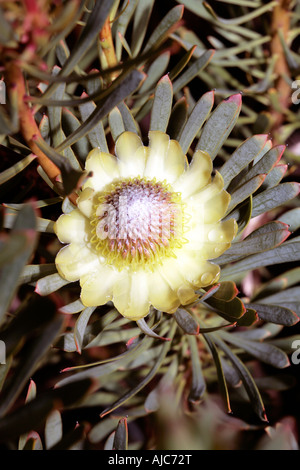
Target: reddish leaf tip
point(236, 98)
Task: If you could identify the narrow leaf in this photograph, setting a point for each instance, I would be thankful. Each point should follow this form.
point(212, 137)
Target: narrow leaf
point(49, 284)
point(192, 71)
point(287, 252)
point(80, 326)
point(164, 350)
point(246, 377)
point(178, 118)
point(162, 104)
point(219, 125)
point(198, 386)
point(196, 119)
point(122, 24)
point(275, 314)
point(129, 122)
point(148, 331)
point(122, 87)
point(163, 29)
point(186, 321)
point(283, 281)
point(96, 135)
point(181, 64)
point(221, 376)
point(265, 164)
point(15, 169)
point(291, 218)
point(88, 35)
point(227, 291)
point(116, 123)
point(231, 310)
point(241, 157)
point(263, 351)
point(268, 236)
point(244, 191)
point(71, 177)
point(286, 295)
point(121, 435)
point(274, 197)
point(141, 18)
point(248, 319)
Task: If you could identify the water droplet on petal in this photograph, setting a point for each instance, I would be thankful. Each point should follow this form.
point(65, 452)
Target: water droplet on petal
point(213, 235)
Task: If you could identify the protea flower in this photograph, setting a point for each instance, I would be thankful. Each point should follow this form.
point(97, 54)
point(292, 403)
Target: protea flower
point(146, 226)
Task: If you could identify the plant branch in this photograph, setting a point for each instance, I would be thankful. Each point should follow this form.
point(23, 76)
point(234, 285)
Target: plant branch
point(280, 22)
point(107, 46)
point(29, 129)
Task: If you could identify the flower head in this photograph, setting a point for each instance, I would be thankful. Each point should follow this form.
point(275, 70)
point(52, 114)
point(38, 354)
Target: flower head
point(146, 226)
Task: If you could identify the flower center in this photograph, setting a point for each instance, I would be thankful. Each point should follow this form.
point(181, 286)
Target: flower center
point(137, 222)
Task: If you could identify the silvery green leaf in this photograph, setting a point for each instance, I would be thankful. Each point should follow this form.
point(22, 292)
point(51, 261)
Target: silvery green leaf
point(219, 125)
point(50, 283)
point(164, 27)
point(198, 385)
point(121, 24)
point(116, 123)
point(92, 27)
point(274, 197)
point(155, 71)
point(140, 21)
point(286, 252)
point(71, 176)
point(192, 71)
point(33, 272)
point(186, 321)
point(80, 326)
point(129, 122)
point(274, 177)
point(291, 218)
point(265, 164)
point(97, 371)
point(162, 105)
point(70, 124)
point(196, 120)
point(178, 118)
point(283, 281)
point(270, 235)
point(96, 135)
point(121, 88)
point(55, 112)
point(73, 307)
point(242, 192)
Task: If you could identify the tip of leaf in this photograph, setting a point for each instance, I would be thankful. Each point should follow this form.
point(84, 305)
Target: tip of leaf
point(237, 99)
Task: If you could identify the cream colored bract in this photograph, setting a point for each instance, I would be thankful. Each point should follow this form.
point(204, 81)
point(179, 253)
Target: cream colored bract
point(145, 227)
